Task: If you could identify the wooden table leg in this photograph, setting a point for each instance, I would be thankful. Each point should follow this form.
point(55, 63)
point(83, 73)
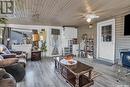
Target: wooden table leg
point(61, 68)
point(77, 81)
point(55, 64)
point(90, 72)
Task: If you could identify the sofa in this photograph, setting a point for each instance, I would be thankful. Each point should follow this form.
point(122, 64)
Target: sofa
point(17, 70)
point(24, 48)
point(6, 53)
point(6, 79)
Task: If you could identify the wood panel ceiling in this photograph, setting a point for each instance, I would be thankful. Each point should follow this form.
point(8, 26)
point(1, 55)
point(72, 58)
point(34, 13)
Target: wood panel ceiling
point(63, 12)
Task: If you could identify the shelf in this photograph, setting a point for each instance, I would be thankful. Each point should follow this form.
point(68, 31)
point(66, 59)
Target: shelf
point(89, 49)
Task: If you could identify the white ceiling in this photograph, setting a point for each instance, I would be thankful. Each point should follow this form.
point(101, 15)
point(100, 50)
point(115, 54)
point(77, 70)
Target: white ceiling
point(63, 12)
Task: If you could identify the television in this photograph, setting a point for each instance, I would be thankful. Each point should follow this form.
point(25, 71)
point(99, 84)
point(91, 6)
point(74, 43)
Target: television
point(127, 25)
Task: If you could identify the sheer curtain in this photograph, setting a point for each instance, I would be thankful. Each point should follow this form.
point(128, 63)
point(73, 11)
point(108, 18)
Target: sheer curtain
point(1, 35)
point(55, 44)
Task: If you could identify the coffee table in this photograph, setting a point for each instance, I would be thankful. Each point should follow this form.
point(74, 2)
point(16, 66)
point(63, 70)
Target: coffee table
point(74, 74)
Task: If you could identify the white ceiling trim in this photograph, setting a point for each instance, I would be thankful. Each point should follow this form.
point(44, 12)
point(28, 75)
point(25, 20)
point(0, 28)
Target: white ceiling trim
point(30, 26)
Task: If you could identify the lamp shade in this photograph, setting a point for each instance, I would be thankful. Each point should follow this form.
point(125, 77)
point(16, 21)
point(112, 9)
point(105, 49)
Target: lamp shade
point(43, 35)
point(35, 37)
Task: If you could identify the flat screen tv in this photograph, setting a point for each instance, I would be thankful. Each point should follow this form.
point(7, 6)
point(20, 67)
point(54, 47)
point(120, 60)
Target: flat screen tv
point(127, 25)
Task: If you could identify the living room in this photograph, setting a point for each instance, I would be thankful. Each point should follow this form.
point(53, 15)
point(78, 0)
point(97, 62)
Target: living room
point(42, 44)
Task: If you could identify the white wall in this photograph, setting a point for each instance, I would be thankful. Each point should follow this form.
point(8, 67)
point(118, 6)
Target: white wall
point(122, 41)
point(49, 41)
point(66, 34)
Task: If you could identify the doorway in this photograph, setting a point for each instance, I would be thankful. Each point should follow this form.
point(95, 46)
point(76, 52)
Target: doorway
point(106, 40)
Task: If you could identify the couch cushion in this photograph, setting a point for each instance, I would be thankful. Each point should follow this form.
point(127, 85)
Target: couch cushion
point(17, 71)
point(7, 62)
point(7, 81)
point(5, 56)
point(2, 73)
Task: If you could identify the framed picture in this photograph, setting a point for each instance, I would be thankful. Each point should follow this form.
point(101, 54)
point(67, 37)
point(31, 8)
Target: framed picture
point(7, 7)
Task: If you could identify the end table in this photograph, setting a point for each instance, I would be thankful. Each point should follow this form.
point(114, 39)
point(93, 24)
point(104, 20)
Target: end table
point(35, 55)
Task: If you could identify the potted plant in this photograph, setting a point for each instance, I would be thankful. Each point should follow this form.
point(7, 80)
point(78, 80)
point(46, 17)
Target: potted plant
point(44, 48)
point(3, 20)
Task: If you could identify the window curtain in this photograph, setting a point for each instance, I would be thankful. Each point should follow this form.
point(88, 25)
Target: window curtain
point(1, 35)
point(6, 37)
point(55, 44)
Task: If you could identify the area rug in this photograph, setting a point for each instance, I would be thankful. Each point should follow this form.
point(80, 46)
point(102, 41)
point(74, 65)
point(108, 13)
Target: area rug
point(94, 74)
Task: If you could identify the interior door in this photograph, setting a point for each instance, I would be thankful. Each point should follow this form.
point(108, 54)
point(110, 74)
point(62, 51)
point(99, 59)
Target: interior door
point(106, 40)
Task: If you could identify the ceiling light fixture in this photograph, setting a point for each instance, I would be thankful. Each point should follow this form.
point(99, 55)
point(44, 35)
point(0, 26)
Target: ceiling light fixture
point(90, 26)
point(90, 16)
point(36, 17)
point(89, 20)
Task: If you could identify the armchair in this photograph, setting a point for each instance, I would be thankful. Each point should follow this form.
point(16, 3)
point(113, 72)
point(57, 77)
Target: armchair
point(6, 80)
point(13, 67)
point(15, 54)
point(21, 61)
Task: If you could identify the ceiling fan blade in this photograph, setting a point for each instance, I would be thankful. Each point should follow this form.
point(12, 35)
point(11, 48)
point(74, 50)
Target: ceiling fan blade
point(92, 16)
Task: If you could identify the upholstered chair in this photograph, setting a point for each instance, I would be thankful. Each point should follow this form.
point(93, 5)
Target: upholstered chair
point(6, 80)
point(7, 54)
point(13, 67)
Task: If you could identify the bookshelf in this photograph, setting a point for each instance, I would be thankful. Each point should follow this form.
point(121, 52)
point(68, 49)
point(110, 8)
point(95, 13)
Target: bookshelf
point(89, 48)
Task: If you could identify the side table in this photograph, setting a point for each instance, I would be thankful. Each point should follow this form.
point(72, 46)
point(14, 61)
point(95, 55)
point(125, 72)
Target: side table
point(35, 55)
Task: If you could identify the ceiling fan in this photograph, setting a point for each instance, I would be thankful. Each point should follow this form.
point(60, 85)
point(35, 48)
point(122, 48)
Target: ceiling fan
point(90, 16)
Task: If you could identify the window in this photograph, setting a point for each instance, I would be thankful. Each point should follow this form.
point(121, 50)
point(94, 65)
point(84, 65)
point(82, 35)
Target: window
point(21, 36)
point(107, 33)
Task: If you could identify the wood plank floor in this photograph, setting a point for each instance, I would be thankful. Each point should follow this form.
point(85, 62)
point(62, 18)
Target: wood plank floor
point(42, 74)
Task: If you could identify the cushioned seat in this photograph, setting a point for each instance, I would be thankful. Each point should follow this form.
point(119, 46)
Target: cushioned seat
point(6, 80)
point(17, 71)
point(21, 61)
point(12, 67)
point(7, 54)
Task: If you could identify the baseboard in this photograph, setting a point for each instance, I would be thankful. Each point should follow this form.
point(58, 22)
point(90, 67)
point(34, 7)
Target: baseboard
point(104, 61)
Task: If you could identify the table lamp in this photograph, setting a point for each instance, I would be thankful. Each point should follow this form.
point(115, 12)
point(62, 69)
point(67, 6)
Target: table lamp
point(35, 39)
